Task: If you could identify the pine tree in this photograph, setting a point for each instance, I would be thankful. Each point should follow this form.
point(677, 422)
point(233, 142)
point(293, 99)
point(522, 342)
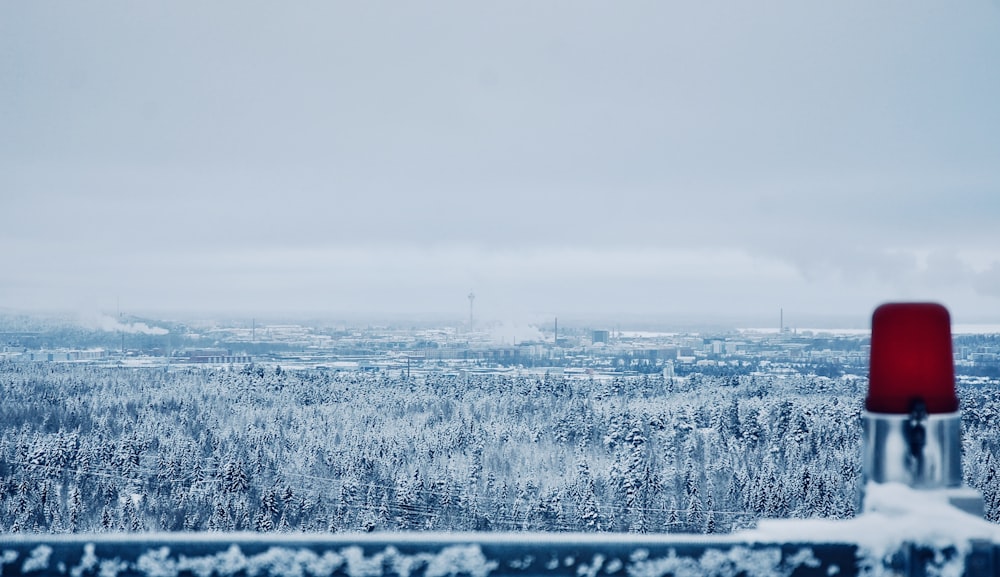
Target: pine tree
point(234, 478)
point(107, 522)
point(76, 508)
point(590, 513)
point(694, 516)
point(673, 522)
point(710, 524)
point(262, 522)
point(731, 421)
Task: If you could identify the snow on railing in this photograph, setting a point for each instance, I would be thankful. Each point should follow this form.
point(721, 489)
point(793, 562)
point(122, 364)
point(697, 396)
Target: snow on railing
point(416, 555)
point(901, 532)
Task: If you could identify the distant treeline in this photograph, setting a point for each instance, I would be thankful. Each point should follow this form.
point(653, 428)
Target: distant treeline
point(86, 449)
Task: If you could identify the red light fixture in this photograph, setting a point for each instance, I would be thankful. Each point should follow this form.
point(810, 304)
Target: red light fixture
point(911, 360)
point(912, 427)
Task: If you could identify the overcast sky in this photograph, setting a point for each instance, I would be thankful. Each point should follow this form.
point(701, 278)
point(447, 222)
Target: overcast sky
point(555, 157)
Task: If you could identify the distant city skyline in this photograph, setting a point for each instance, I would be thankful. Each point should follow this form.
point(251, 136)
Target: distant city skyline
point(709, 160)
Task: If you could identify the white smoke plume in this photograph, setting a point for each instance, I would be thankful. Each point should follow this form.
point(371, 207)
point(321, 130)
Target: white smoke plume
point(102, 322)
point(511, 332)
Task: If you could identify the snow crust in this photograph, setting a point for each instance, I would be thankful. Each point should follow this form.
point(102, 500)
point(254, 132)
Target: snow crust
point(87, 562)
point(450, 561)
point(764, 562)
point(7, 557)
point(288, 562)
point(38, 560)
point(893, 516)
point(458, 560)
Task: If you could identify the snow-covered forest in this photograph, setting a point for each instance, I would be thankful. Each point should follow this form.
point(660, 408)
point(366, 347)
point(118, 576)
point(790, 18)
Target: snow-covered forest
point(85, 448)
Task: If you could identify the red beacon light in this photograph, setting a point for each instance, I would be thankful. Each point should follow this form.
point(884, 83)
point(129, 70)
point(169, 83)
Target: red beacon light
point(911, 422)
point(911, 360)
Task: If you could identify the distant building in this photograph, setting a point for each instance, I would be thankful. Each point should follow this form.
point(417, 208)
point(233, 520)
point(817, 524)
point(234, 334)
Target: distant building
point(217, 357)
point(64, 355)
point(600, 336)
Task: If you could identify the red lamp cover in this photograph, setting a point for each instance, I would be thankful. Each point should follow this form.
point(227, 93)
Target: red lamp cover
point(911, 359)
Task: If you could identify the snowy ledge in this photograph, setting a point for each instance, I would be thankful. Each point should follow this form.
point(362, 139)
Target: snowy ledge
point(893, 515)
point(901, 532)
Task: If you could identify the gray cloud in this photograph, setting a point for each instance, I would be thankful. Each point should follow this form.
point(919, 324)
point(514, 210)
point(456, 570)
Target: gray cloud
point(988, 281)
point(244, 155)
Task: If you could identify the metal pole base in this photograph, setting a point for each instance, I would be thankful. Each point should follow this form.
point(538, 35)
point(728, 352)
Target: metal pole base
point(893, 453)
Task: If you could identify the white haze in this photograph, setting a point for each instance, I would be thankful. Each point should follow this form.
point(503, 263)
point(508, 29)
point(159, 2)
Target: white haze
point(102, 322)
